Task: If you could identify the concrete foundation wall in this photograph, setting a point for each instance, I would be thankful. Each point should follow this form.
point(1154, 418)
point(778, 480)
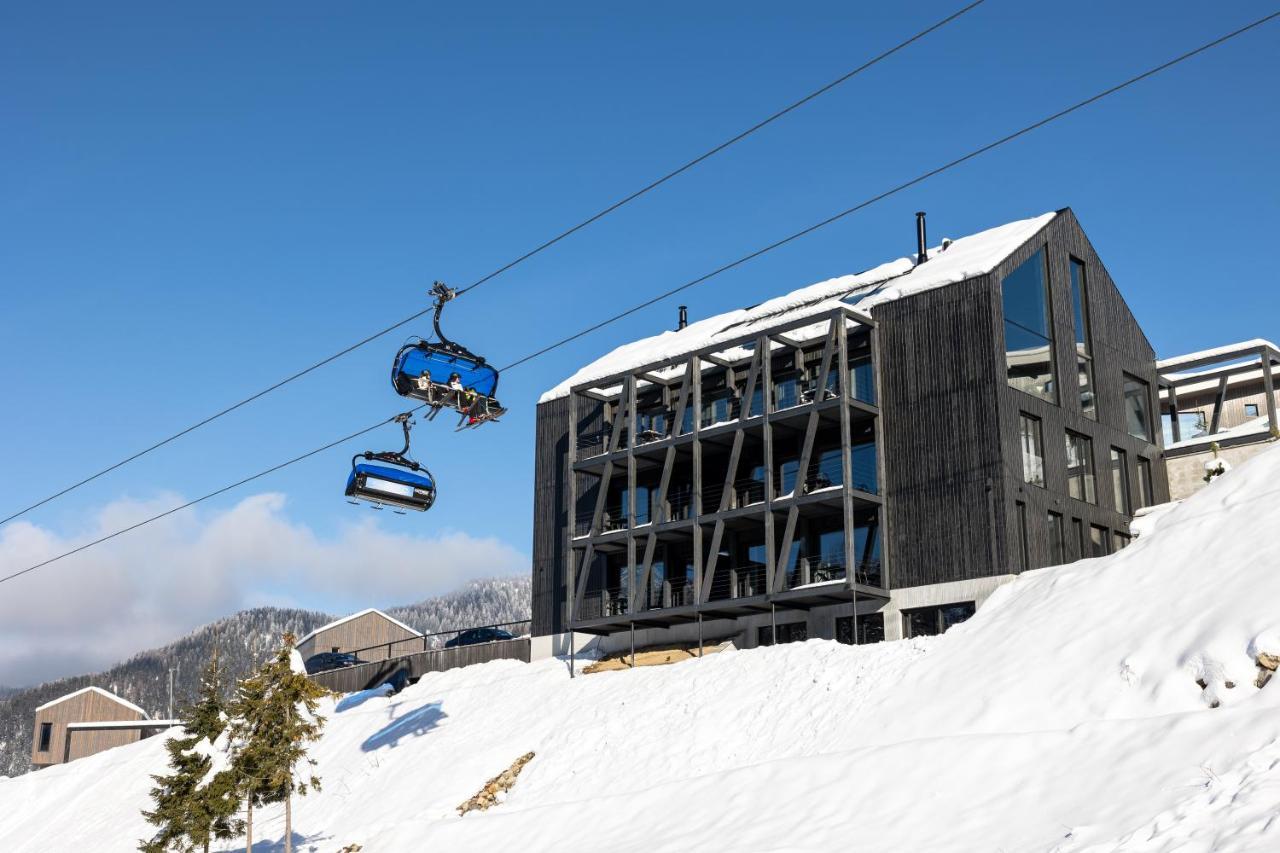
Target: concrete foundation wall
point(1186, 473)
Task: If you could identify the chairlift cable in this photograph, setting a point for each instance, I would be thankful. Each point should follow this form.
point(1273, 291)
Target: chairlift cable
point(504, 268)
point(1041, 123)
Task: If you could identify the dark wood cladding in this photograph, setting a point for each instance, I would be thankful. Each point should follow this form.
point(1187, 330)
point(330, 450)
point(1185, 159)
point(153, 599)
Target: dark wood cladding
point(951, 420)
point(938, 374)
point(550, 518)
point(1119, 347)
point(365, 676)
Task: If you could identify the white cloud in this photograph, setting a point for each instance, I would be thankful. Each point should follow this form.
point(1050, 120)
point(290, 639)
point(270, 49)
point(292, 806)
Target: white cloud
point(148, 587)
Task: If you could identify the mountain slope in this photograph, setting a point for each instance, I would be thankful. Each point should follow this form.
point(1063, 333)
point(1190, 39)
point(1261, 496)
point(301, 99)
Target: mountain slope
point(243, 640)
point(1109, 705)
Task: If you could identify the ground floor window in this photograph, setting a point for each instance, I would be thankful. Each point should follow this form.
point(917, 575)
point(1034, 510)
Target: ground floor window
point(928, 621)
point(1098, 537)
point(792, 632)
point(46, 735)
point(870, 629)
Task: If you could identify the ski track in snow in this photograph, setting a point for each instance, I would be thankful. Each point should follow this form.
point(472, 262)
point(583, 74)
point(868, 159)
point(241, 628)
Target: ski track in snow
point(1064, 717)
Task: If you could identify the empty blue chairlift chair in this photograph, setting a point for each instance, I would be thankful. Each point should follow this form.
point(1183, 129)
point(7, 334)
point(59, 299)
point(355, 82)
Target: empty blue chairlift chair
point(391, 479)
point(446, 375)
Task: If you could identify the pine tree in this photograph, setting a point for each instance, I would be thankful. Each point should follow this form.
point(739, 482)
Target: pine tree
point(274, 718)
point(191, 810)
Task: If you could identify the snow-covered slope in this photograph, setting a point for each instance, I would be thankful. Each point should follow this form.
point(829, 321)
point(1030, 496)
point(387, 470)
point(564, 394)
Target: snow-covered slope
point(1065, 716)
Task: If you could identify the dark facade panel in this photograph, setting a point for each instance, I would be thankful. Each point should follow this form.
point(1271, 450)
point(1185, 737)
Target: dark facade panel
point(939, 378)
point(1118, 347)
point(551, 466)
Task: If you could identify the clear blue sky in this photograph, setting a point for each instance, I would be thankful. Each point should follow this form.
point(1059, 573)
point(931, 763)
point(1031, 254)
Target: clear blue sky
point(198, 201)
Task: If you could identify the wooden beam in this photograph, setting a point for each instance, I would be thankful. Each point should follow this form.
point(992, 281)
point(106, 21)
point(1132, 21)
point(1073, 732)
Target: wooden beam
point(650, 546)
point(1173, 413)
point(713, 556)
point(780, 565)
point(1219, 401)
point(1269, 387)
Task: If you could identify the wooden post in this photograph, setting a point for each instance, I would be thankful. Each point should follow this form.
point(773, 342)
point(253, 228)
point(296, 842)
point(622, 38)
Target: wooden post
point(1268, 385)
point(1173, 413)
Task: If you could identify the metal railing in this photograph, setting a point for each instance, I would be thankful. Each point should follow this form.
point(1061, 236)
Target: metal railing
point(436, 640)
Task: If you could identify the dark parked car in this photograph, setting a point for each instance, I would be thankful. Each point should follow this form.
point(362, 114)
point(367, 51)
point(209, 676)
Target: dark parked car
point(479, 635)
point(330, 660)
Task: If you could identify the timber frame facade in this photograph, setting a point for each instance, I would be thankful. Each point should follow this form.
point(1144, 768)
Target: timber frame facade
point(848, 466)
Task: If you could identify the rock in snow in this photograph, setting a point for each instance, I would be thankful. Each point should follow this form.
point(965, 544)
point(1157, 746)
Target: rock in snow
point(1074, 712)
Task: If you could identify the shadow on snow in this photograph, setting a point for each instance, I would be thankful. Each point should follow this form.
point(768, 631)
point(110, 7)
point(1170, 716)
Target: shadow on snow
point(413, 724)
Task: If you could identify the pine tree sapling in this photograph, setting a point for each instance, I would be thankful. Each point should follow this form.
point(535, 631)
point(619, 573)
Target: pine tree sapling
point(191, 809)
point(273, 720)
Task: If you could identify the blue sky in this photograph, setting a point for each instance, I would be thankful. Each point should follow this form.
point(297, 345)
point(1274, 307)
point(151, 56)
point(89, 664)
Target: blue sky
point(199, 201)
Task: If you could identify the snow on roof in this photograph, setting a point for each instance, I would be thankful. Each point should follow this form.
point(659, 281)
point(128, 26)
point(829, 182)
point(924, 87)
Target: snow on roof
point(125, 724)
point(961, 259)
point(1257, 426)
point(1223, 351)
point(1190, 388)
point(335, 623)
point(113, 697)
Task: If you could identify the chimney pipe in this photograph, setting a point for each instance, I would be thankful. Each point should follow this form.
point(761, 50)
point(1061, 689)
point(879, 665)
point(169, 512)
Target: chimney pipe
point(922, 242)
point(684, 317)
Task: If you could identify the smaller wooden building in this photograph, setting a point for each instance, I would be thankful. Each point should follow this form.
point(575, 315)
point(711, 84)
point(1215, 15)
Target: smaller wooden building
point(372, 633)
point(78, 724)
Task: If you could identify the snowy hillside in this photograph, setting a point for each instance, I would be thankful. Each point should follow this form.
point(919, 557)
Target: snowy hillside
point(244, 639)
point(1075, 712)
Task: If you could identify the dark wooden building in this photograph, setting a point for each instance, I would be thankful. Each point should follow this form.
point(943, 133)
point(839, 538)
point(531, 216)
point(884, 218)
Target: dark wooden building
point(862, 459)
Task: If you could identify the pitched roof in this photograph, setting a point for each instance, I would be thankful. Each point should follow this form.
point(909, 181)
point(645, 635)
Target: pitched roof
point(950, 263)
point(335, 623)
point(108, 694)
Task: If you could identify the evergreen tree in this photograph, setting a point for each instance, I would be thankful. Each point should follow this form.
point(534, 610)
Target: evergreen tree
point(274, 718)
point(191, 810)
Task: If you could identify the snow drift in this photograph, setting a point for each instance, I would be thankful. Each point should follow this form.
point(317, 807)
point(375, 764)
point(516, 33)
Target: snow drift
point(1108, 705)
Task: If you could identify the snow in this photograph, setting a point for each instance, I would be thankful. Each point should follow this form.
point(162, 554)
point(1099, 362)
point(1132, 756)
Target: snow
point(1064, 717)
point(106, 693)
point(964, 258)
point(144, 725)
point(1224, 351)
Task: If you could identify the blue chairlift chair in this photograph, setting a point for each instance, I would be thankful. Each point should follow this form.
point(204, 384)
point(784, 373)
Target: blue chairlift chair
point(444, 374)
point(391, 479)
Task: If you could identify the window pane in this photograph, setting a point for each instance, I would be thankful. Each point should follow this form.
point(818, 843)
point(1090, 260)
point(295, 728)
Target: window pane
point(1032, 450)
point(1025, 298)
point(1137, 407)
point(1098, 540)
point(46, 735)
point(1024, 559)
point(1057, 540)
point(1080, 480)
point(1084, 375)
point(1029, 361)
point(1251, 410)
point(1027, 328)
point(863, 462)
point(1119, 540)
point(1080, 305)
point(1120, 481)
point(954, 614)
point(1144, 482)
point(920, 623)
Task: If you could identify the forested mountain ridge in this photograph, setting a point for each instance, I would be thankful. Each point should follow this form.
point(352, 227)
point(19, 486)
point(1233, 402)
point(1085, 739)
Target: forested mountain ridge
point(243, 640)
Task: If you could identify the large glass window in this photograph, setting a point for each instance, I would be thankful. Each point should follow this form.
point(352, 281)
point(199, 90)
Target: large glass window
point(46, 735)
point(866, 550)
point(928, 621)
point(1080, 470)
point(1032, 442)
point(1120, 481)
point(870, 629)
point(862, 459)
point(1028, 329)
point(1137, 407)
point(1084, 348)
